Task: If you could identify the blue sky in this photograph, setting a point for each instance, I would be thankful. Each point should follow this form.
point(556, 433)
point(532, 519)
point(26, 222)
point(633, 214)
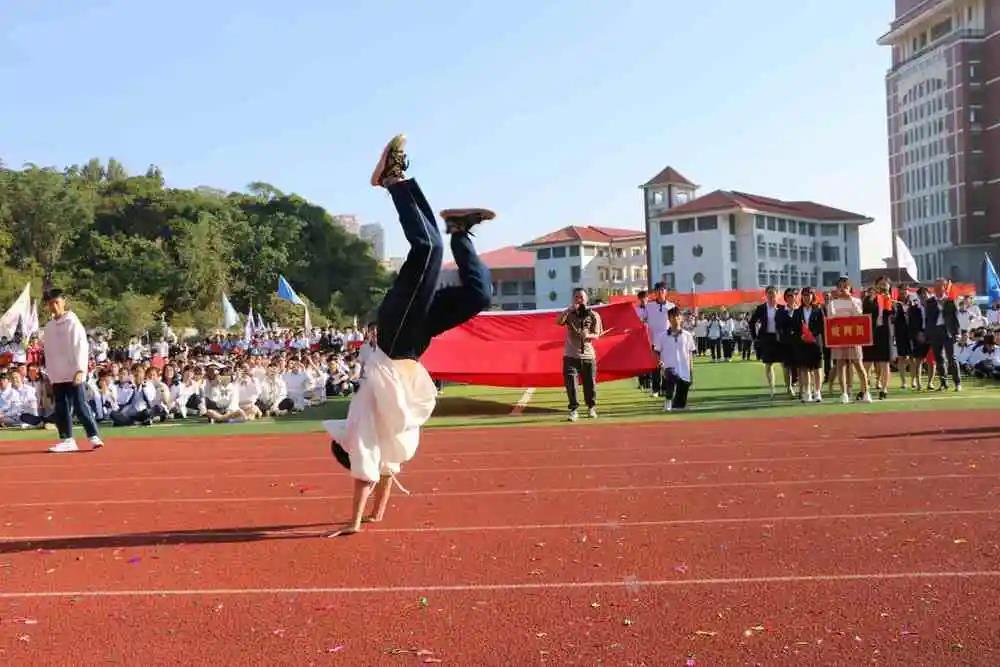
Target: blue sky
point(552, 113)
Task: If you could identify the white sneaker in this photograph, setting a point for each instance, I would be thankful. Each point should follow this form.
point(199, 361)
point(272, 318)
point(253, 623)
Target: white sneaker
point(667, 406)
point(656, 394)
point(845, 399)
point(573, 416)
point(819, 397)
point(67, 445)
point(592, 413)
point(96, 442)
point(867, 398)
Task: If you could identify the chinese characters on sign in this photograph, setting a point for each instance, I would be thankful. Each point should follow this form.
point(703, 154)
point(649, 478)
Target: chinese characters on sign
point(848, 331)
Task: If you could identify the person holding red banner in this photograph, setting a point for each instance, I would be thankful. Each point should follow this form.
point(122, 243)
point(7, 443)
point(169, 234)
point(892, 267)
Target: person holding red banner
point(807, 328)
point(382, 429)
point(849, 357)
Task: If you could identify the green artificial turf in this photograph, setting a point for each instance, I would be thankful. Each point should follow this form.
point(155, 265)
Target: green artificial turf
point(721, 391)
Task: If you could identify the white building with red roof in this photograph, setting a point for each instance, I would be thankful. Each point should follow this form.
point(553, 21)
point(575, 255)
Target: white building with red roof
point(605, 261)
point(513, 273)
point(734, 240)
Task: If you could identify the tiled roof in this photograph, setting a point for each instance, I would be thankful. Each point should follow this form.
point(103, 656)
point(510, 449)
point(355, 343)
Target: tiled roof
point(726, 199)
point(590, 233)
point(669, 175)
point(508, 257)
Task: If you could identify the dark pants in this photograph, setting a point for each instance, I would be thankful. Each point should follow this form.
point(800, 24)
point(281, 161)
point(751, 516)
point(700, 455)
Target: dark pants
point(943, 346)
point(586, 370)
point(675, 389)
point(727, 348)
point(702, 345)
point(715, 346)
point(655, 378)
point(32, 420)
point(414, 310)
point(746, 348)
point(69, 398)
point(827, 363)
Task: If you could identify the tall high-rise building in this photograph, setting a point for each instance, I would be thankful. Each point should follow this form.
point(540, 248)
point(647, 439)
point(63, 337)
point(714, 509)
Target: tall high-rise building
point(375, 235)
point(943, 106)
point(349, 223)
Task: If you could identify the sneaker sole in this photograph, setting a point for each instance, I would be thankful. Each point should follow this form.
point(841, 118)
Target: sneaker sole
point(400, 140)
point(483, 213)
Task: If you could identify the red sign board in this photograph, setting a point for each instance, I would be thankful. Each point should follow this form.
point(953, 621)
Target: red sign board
point(848, 331)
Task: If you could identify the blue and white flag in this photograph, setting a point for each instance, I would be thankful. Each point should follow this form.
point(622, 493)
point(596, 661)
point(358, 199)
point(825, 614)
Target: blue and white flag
point(229, 315)
point(286, 292)
point(260, 323)
point(991, 280)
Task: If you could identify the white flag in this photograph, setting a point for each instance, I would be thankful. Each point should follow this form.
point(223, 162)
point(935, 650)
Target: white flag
point(31, 324)
point(904, 259)
point(308, 323)
point(229, 315)
point(248, 327)
point(19, 312)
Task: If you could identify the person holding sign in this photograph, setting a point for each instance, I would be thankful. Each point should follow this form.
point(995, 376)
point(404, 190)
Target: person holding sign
point(849, 356)
point(807, 330)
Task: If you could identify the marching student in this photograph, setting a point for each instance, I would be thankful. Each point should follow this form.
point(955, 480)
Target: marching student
point(764, 333)
point(677, 349)
point(877, 304)
point(656, 320)
point(382, 429)
point(786, 340)
point(844, 358)
point(942, 328)
point(903, 339)
point(66, 356)
point(807, 329)
point(920, 349)
point(645, 380)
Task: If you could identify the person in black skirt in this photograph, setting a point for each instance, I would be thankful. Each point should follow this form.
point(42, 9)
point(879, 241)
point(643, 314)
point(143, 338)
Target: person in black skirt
point(807, 330)
point(877, 304)
point(786, 339)
point(764, 333)
point(920, 346)
point(901, 334)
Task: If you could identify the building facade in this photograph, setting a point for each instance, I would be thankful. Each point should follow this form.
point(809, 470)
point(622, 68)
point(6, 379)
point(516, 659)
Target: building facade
point(374, 234)
point(512, 271)
point(734, 240)
point(943, 108)
point(605, 261)
point(349, 222)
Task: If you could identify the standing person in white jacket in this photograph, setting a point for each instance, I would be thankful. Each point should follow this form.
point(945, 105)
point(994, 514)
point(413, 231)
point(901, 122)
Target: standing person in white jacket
point(66, 356)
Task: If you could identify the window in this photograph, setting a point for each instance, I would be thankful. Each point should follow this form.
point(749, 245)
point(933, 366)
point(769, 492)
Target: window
point(830, 253)
point(602, 252)
point(589, 251)
point(812, 229)
point(803, 229)
point(685, 226)
point(574, 274)
point(619, 252)
point(671, 280)
point(830, 278)
point(527, 306)
point(708, 222)
point(794, 280)
point(734, 279)
point(781, 225)
point(657, 197)
point(698, 278)
point(493, 289)
point(772, 224)
point(552, 274)
point(697, 251)
point(830, 230)
point(637, 252)
point(666, 227)
point(508, 306)
point(772, 249)
point(602, 275)
point(528, 288)
point(759, 220)
point(783, 251)
point(559, 252)
point(617, 275)
point(508, 288)
point(667, 255)
point(732, 251)
point(732, 224)
point(574, 251)
point(544, 253)
point(637, 274)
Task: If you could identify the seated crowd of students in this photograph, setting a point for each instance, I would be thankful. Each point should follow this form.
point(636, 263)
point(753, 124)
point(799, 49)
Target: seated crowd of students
point(218, 380)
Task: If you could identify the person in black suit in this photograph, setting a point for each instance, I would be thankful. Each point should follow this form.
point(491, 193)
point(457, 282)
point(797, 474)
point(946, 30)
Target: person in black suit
point(901, 334)
point(807, 332)
point(877, 304)
point(764, 333)
point(941, 327)
point(786, 340)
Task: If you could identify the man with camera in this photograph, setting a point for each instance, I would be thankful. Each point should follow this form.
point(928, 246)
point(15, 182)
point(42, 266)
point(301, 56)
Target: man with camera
point(583, 327)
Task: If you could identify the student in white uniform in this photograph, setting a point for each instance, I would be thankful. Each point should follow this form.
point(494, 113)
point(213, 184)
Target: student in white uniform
point(274, 399)
point(656, 314)
point(677, 349)
point(249, 392)
point(298, 383)
point(227, 395)
point(186, 394)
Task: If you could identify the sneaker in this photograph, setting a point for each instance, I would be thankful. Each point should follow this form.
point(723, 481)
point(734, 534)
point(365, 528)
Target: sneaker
point(96, 442)
point(461, 220)
point(573, 415)
point(845, 399)
point(592, 413)
point(392, 164)
point(668, 406)
point(958, 388)
point(882, 395)
point(866, 397)
point(67, 445)
point(656, 394)
point(819, 397)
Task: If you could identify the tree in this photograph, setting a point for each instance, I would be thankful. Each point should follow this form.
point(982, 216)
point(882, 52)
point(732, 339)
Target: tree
point(92, 171)
point(115, 171)
point(264, 190)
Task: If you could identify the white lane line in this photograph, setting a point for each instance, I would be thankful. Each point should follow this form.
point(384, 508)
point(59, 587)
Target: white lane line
point(514, 492)
point(522, 402)
point(610, 525)
point(629, 583)
point(949, 456)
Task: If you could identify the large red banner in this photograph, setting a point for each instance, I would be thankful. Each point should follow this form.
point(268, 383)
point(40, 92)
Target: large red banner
point(848, 331)
point(525, 349)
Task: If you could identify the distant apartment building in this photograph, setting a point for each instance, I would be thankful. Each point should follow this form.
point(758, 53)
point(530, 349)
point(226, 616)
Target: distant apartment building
point(734, 240)
point(943, 108)
point(605, 261)
point(513, 273)
point(374, 234)
point(348, 222)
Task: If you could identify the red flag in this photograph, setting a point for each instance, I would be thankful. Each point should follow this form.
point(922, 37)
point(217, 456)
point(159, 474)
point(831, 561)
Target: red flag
point(807, 335)
point(884, 302)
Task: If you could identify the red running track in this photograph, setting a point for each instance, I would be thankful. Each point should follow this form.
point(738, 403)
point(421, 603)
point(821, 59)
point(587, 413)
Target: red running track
point(794, 541)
